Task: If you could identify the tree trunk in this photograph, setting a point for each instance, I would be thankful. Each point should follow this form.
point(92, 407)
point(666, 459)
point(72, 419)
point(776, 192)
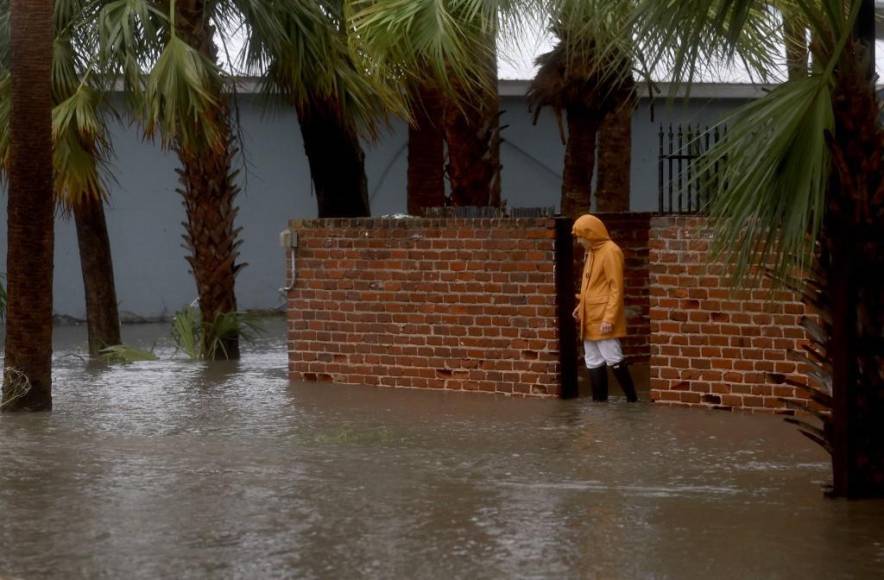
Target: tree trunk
point(27, 382)
point(209, 194)
point(583, 126)
point(426, 152)
point(102, 318)
point(853, 260)
point(337, 162)
point(472, 131)
point(615, 157)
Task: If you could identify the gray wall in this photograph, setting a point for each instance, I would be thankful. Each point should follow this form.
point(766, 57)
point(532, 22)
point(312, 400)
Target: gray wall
point(145, 213)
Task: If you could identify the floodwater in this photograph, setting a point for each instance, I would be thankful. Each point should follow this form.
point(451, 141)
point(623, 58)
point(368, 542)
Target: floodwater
point(178, 469)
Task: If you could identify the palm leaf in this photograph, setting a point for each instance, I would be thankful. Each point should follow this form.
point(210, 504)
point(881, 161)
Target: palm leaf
point(180, 99)
point(123, 354)
point(773, 187)
point(447, 41)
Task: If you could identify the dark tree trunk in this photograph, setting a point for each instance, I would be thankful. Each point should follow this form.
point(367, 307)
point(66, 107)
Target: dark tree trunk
point(853, 262)
point(27, 383)
point(615, 156)
point(583, 126)
point(426, 152)
point(209, 193)
point(102, 317)
point(337, 162)
point(472, 132)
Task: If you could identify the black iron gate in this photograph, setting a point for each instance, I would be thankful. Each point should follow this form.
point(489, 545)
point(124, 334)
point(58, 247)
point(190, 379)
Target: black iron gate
point(683, 186)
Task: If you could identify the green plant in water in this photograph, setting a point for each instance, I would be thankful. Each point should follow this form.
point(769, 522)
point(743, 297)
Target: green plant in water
point(186, 331)
point(205, 343)
point(123, 354)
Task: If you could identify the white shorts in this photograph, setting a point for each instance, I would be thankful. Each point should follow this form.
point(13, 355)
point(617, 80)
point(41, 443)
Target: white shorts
point(601, 352)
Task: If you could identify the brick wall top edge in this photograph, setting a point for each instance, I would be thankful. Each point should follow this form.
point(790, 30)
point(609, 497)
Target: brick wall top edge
point(419, 223)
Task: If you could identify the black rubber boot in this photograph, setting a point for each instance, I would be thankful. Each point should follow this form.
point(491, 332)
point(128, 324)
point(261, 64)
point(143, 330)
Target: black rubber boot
point(621, 371)
point(598, 378)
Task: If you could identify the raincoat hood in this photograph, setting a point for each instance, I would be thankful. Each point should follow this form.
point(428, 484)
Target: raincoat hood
point(591, 228)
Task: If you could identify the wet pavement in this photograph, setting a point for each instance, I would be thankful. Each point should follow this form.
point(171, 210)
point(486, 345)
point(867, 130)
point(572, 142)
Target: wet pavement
point(180, 469)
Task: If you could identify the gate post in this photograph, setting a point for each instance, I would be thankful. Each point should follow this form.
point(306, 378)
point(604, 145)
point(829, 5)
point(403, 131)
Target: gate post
point(565, 306)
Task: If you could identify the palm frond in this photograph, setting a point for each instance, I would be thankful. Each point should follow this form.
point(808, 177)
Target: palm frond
point(689, 37)
point(180, 98)
point(302, 49)
point(769, 205)
point(81, 145)
point(186, 331)
point(450, 42)
point(131, 34)
point(123, 354)
point(776, 164)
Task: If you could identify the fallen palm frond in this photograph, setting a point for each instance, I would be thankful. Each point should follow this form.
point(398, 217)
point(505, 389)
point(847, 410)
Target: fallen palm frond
point(124, 354)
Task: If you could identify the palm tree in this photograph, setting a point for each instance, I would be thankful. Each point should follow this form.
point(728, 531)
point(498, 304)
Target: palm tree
point(183, 100)
point(449, 47)
point(426, 149)
point(588, 77)
point(80, 148)
point(803, 189)
point(27, 379)
point(303, 48)
point(613, 185)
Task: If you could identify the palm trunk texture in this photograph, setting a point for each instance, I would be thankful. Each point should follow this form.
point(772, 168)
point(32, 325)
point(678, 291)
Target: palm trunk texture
point(102, 317)
point(615, 156)
point(209, 193)
point(583, 125)
point(845, 354)
point(27, 381)
point(853, 266)
point(426, 153)
point(472, 132)
point(337, 162)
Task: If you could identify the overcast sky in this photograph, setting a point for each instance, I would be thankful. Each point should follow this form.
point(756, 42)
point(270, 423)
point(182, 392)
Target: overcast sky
point(516, 62)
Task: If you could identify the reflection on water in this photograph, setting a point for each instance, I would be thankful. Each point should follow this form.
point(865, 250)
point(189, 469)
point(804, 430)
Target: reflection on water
point(176, 469)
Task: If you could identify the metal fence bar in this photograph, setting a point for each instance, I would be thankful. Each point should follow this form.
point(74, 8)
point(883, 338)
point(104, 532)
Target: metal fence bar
point(682, 185)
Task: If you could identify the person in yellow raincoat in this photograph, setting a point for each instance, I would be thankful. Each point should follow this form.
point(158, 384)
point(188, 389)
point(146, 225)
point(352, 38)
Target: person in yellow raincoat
point(600, 310)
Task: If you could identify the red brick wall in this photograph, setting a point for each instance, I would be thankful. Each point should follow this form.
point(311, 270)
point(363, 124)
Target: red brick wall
point(460, 304)
point(713, 346)
point(630, 232)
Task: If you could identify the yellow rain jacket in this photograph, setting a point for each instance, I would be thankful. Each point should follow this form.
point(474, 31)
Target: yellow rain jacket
point(601, 289)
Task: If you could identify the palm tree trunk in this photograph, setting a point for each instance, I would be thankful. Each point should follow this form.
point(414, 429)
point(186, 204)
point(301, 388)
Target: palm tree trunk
point(472, 131)
point(337, 162)
point(426, 152)
point(27, 381)
point(102, 317)
point(615, 156)
point(853, 260)
point(209, 193)
point(583, 126)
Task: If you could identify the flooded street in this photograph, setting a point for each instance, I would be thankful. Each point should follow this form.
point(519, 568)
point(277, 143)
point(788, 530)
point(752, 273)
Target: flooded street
point(180, 469)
